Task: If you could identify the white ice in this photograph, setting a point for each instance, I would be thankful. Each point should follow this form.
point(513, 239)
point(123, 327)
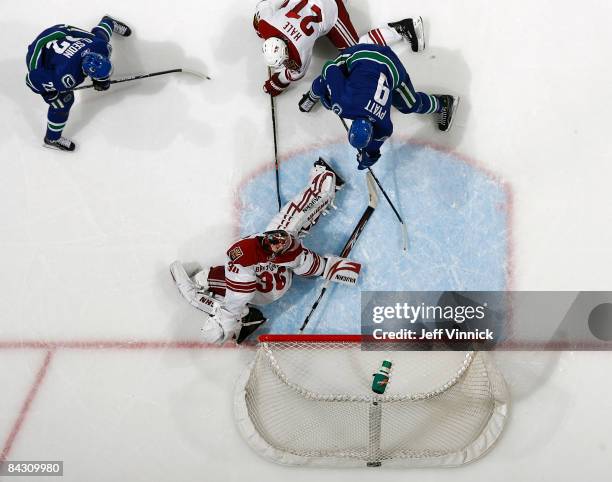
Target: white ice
point(86, 238)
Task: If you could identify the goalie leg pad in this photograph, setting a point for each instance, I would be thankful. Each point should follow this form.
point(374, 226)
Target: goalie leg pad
point(303, 211)
point(221, 327)
point(194, 294)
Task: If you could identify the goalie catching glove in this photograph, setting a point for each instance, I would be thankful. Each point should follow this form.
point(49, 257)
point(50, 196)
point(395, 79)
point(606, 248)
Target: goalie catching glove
point(342, 270)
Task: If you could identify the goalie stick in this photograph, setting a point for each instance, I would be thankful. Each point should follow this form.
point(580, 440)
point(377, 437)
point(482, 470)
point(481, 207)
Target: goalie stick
point(397, 214)
point(146, 76)
point(372, 203)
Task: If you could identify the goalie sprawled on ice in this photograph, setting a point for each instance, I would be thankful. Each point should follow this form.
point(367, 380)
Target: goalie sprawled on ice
point(259, 268)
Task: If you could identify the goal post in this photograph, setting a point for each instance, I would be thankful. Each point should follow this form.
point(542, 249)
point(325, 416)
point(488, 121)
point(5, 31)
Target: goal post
point(308, 400)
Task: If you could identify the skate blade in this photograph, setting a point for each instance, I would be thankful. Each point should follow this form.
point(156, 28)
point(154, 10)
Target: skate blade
point(419, 29)
point(55, 148)
point(456, 100)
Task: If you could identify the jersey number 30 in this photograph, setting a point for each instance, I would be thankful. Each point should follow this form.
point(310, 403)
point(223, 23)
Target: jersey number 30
point(306, 22)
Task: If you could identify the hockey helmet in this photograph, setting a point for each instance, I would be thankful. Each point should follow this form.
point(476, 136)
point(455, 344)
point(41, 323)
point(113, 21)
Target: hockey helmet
point(276, 242)
point(275, 52)
point(360, 133)
point(96, 66)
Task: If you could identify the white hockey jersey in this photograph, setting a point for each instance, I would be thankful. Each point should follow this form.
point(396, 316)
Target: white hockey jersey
point(300, 23)
point(252, 275)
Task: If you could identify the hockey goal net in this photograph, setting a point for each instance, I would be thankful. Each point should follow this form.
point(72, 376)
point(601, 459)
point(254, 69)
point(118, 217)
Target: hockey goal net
point(308, 400)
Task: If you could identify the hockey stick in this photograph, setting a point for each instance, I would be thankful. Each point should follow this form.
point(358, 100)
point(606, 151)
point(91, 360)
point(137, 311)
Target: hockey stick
point(273, 110)
point(397, 214)
point(372, 203)
point(146, 76)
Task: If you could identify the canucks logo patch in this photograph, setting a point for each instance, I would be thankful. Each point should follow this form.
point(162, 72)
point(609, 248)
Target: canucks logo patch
point(235, 253)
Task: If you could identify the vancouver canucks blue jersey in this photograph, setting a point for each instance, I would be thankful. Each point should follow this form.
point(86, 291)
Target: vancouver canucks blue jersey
point(360, 81)
point(54, 58)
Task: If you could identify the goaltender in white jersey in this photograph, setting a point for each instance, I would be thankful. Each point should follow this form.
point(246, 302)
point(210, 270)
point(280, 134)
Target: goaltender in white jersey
point(259, 268)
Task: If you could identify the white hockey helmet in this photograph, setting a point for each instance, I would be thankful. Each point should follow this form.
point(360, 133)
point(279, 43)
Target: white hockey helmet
point(275, 51)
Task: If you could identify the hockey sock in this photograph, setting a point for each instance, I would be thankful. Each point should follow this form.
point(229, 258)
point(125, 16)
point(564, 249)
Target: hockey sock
point(104, 29)
point(380, 36)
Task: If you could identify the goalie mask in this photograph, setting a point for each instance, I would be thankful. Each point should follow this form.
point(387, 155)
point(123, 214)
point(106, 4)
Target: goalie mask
point(275, 52)
point(276, 242)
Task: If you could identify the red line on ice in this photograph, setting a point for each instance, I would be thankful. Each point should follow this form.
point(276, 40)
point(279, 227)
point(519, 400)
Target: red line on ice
point(25, 408)
point(111, 345)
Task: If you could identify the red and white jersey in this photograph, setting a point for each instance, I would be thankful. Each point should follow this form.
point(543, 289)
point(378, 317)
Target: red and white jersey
point(252, 275)
point(300, 23)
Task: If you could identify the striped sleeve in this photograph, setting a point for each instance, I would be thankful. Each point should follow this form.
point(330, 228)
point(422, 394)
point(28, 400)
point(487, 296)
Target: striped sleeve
point(30, 84)
point(311, 264)
point(34, 60)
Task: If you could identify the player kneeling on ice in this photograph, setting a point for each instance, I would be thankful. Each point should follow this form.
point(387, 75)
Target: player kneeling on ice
point(290, 29)
point(259, 268)
point(362, 84)
point(61, 58)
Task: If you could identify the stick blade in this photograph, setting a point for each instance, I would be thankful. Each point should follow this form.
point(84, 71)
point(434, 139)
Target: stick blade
point(200, 75)
point(372, 192)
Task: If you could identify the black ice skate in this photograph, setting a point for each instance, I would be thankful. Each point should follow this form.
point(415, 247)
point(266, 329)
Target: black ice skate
point(449, 106)
point(250, 323)
point(412, 30)
point(119, 27)
point(61, 144)
point(339, 181)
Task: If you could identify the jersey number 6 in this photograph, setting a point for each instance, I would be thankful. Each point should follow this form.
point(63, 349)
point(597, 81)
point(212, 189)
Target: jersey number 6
point(306, 21)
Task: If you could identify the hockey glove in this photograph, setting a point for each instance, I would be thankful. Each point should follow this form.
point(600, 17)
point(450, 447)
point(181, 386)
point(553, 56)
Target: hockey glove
point(101, 85)
point(274, 85)
point(366, 159)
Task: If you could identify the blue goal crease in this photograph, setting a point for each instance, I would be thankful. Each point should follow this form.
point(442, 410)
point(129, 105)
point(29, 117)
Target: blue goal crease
point(457, 219)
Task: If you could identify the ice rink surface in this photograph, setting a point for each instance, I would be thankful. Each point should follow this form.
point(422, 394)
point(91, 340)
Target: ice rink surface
point(100, 360)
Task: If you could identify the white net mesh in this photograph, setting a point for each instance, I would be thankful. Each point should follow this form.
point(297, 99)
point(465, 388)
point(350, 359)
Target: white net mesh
point(311, 402)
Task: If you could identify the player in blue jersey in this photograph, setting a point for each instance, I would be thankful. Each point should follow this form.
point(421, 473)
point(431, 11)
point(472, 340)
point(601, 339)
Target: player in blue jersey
point(61, 58)
point(362, 84)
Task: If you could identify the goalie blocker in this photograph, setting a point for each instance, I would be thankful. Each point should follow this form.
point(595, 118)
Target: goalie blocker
point(342, 270)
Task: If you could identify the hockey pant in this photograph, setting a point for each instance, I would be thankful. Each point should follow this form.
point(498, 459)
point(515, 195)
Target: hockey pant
point(407, 101)
point(344, 35)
